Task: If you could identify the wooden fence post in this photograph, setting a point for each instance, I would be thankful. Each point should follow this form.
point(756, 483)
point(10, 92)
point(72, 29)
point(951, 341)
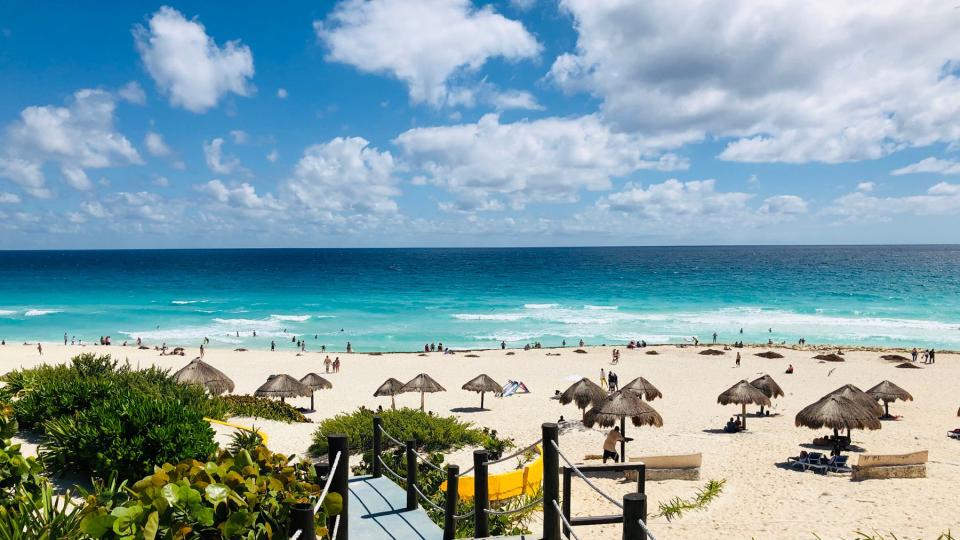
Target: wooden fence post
point(302, 519)
point(339, 477)
point(450, 508)
point(551, 481)
point(412, 502)
point(481, 494)
point(634, 510)
point(377, 445)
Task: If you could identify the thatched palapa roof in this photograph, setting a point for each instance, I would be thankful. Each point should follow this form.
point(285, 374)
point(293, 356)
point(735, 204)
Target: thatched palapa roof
point(743, 393)
point(886, 392)
point(643, 388)
point(838, 412)
point(316, 382)
point(283, 386)
point(482, 383)
point(422, 383)
point(584, 393)
point(769, 354)
point(623, 405)
point(768, 386)
point(389, 387)
point(202, 373)
point(859, 397)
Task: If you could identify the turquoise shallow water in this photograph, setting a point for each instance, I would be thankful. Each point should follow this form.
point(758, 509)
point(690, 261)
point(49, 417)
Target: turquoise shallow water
point(398, 299)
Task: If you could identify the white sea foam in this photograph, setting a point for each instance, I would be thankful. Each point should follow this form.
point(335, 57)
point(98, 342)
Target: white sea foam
point(291, 318)
point(185, 302)
point(7, 312)
point(601, 308)
point(489, 317)
point(40, 312)
point(540, 306)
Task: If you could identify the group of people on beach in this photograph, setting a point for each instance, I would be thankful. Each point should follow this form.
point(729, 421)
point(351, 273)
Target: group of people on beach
point(929, 356)
point(609, 381)
point(334, 365)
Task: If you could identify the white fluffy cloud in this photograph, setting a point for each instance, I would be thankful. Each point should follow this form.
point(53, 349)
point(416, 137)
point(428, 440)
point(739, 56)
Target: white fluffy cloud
point(675, 207)
point(344, 177)
point(940, 199)
point(551, 159)
point(77, 137)
point(424, 44)
point(930, 165)
point(242, 196)
point(216, 160)
point(188, 65)
point(155, 144)
point(788, 81)
point(282, 93)
point(9, 198)
point(132, 92)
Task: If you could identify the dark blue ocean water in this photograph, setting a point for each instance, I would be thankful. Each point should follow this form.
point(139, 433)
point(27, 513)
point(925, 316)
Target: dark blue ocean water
point(397, 299)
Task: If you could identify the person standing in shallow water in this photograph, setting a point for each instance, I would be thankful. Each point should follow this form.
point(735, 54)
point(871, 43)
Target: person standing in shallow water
point(273, 346)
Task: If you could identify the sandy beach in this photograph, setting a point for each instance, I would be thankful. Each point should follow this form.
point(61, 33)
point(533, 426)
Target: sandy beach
point(760, 499)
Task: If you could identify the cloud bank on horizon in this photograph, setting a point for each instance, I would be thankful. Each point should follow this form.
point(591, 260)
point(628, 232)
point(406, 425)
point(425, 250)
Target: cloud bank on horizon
point(454, 122)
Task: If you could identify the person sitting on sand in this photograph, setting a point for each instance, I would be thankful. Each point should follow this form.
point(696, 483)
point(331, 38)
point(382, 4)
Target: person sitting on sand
point(731, 426)
point(610, 445)
point(790, 369)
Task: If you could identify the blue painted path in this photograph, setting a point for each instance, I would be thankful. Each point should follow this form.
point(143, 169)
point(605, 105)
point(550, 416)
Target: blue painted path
point(377, 510)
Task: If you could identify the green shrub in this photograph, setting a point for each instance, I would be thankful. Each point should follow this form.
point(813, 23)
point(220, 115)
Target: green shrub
point(260, 407)
point(243, 439)
point(241, 495)
point(124, 435)
point(432, 433)
point(103, 418)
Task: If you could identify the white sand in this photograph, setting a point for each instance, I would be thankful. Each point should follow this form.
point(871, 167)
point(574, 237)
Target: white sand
point(761, 500)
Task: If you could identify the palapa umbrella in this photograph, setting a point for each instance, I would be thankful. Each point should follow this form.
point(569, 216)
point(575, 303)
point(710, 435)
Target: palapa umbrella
point(199, 372)
point(768, 386)
point(422, 383)
point(390, 387)
point(315, 382)
point(886, 392)
point(619, 406)
point(643, 389)
point(584, 393)
point(482, 384)
point(838, 412)
point(859, 397)
point(282, 386)
point(743, 393)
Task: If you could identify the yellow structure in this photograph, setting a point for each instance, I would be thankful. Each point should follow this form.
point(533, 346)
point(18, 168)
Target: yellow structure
point(505, 485)
point(263, 436)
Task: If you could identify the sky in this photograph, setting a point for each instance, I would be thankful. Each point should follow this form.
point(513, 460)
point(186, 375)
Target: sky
point(369, 123)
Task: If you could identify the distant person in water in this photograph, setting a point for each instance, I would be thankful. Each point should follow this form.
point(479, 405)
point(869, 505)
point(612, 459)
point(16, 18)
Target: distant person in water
point(714, 338)
point(273, 346)
point(64, 338)
point(349, 347)
point(254, 333)
point(581, 343)
point(563, 343)
point(503, 345)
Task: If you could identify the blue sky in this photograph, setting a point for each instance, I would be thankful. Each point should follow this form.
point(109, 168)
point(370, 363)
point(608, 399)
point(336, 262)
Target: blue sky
point(458, 123)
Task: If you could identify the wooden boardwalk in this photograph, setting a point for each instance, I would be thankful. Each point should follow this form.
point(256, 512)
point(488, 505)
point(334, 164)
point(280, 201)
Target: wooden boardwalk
point(377, 511)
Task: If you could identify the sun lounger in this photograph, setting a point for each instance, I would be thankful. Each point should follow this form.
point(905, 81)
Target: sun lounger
point(834, 464)
point(813, 459)
point(955, 434)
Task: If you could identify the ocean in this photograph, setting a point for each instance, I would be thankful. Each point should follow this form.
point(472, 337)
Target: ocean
point(399, 299)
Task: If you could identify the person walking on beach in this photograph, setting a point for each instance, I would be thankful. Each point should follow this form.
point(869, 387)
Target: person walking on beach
point(610, 445)
point(603, 379)
point(201, 351)
point(64, 339)
point(336, 365)
point(933, 356)
point(738, 358)
point(326, 364)
point(913, 354)
point(714, 338)
point(40, 349)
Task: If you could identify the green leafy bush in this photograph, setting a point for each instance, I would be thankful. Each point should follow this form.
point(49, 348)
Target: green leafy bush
point(238, 495)
point(261, 407)
point(103, 418)
point(431, 432)
point(243, 439)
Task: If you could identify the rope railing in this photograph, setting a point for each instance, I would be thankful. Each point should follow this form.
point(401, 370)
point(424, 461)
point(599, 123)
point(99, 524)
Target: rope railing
point(563, 518)
point(427, 500)
point(465, 516)
point(336, 527)
point(646, 530)
point(523, 450)
point(389, 470)
point(584, 478)
point(392, 439)
point(326, 485)
point(515, 510)
point(427, 461)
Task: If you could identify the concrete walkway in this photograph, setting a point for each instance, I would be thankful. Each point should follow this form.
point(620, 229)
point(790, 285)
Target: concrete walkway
point(377, 510)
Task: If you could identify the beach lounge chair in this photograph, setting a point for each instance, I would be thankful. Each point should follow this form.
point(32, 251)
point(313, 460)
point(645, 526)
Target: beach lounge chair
point(834, 464)
point(813, 459)
point(955, 434)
